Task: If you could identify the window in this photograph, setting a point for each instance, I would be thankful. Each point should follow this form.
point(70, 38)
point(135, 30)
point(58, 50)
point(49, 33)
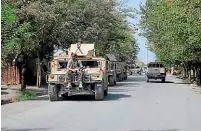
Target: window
point(155, 65)
point(63, 64)
point(132, 67)
point(90, 64)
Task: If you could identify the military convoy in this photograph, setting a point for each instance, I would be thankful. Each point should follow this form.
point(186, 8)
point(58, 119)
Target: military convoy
point(98, 73)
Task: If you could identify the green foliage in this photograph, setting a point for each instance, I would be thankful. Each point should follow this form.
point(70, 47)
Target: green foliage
point(173, 29)
point(33, 28)
point(25, 95)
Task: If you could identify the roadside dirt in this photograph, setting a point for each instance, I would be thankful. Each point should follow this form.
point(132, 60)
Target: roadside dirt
point(10, 93)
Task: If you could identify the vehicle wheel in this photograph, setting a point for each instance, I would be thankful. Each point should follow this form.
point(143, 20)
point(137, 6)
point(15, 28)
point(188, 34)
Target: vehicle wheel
point(147, 79)
point(163, 80)
point(106, 92)
point(99, 93)
point(115, 82)
point(111, 81)
point(126, 77)
point(53, 92)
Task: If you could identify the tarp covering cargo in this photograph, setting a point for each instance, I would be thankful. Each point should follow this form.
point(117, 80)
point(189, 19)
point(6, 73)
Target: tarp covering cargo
point(111, 57)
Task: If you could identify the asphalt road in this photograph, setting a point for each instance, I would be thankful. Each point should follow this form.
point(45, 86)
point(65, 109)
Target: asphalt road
point(132, 105)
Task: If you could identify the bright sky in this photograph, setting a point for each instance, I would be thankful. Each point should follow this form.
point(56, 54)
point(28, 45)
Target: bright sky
point(141, 40)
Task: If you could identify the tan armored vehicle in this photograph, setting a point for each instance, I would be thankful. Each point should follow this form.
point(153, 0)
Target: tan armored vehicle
point(112, 79)
point(95, 80)
point(156, 70)
point(120, 68)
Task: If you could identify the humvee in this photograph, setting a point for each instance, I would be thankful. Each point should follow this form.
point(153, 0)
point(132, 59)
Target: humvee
point(95, 80)
point(156, 70)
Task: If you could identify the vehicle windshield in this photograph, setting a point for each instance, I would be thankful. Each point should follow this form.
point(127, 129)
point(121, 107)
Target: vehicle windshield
point(155, 65)
point(132, 67)
point(90, 64)
point(63, 64)
point(137, 67)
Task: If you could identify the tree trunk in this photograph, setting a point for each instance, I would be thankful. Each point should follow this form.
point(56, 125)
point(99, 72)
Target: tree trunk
point(199, 76)
point(194, 72)
point(23, 77)
point(185, 72)
point(38, 84)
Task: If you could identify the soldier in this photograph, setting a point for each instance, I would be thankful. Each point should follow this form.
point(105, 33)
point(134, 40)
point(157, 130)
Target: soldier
point(74, 64)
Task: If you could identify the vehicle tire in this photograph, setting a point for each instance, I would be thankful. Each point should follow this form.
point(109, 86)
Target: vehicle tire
point(115, 82)
point(120, 78)
point(106, 92)
point(111, 81)
point(126, 77)
point(53, 92)
point(163, 80)
point(99, 93)
point(147, 79)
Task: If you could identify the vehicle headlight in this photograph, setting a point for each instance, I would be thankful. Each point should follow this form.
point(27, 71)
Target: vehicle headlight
point(51, 76)
point(95, 75)
point(61, 78)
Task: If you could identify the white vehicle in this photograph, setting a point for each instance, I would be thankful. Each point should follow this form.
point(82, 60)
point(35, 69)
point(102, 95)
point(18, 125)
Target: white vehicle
point(135, 69)
point(156, 71)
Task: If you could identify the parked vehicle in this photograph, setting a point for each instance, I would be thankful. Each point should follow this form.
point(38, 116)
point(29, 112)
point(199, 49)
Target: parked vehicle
point(156, 71)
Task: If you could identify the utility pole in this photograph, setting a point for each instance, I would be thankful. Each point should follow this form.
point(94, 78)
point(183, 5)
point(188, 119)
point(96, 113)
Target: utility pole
point(146, 46)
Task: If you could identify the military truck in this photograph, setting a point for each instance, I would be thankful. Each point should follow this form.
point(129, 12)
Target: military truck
point(112, 79)
point(95, 77)
point(124, 66)
point(120, 67)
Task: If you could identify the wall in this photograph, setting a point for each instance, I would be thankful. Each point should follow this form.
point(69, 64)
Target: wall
point(10, 75)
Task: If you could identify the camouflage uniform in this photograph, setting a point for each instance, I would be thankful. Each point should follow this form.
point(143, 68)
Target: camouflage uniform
point(74, 64)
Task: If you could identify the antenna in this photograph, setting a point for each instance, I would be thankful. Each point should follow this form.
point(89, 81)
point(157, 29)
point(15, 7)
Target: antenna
point(80, 42)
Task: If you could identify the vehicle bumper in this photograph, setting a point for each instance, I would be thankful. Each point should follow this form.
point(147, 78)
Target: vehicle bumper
point(156, 76)
point(77, 91)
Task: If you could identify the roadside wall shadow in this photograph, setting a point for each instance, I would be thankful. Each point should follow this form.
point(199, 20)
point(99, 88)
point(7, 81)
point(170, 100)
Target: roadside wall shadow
point(4, 93)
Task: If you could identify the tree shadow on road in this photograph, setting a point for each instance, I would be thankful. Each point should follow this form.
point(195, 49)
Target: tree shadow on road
point(35, 129)
point(160, 82)
point(113, 96)
point(121, 90)
point(127, 84)
point(110, 97)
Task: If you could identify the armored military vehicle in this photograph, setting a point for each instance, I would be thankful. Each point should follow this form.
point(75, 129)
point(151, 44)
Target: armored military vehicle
point(112, 79)
point(95, 77)
point(120, 67)
point(156, 70)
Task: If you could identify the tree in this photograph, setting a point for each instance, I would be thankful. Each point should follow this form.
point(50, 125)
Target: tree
point(173, 29)
point(41, 25)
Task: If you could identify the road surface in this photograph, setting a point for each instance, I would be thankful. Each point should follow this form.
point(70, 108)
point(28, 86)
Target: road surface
point(132, 105)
